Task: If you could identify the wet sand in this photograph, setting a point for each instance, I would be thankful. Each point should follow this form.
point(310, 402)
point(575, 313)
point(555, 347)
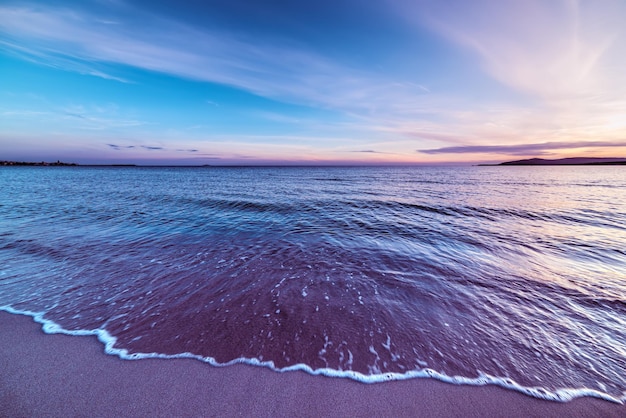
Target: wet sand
point(59, 375)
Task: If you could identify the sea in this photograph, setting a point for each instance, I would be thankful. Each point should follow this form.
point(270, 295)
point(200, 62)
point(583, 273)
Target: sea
point(513, 276)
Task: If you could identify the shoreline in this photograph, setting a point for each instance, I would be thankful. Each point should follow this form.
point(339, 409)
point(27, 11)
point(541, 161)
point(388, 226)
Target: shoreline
point(62, 375)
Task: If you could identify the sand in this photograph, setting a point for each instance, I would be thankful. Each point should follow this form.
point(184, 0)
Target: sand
point(58, 375)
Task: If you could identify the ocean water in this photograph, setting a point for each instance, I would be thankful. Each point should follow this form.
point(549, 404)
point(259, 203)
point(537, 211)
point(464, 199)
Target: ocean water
point(513, 276)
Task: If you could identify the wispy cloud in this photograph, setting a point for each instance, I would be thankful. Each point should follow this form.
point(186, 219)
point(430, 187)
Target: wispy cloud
point(371, 151)
point(98, 73)
point(79, 117)
point(78, 41)
point(555, 50)
point(127, 147)
point(55, 58)
point(120, 147)
point(23, 113)
point(76, 115)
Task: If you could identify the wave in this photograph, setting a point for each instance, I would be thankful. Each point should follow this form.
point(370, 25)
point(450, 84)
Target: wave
point(109, 341)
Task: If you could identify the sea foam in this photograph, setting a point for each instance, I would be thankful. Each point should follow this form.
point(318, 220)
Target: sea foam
point(560, 395)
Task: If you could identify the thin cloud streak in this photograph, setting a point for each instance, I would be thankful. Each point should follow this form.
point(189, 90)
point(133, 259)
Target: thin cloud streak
point(50, 57)
point(99, 118)
point(371, 151)
point(522, 149)
point(118, 147)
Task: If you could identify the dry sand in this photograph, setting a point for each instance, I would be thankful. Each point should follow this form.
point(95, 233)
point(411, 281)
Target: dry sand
point(60, 375)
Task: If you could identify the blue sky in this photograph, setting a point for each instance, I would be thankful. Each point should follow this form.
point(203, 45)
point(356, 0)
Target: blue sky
point(298, 82)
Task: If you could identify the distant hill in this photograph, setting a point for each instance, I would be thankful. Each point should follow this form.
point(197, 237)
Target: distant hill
point(566, 161)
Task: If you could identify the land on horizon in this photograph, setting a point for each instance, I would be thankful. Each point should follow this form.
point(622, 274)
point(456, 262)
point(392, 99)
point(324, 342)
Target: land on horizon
point(41, 163)
point(564, 161)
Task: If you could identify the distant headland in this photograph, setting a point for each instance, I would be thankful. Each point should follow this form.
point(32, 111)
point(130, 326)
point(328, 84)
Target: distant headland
point(564, 161)
point(59, 164)
point(42, 163)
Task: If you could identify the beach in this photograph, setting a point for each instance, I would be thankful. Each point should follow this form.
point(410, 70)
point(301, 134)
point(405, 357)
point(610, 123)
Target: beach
point(60, 375)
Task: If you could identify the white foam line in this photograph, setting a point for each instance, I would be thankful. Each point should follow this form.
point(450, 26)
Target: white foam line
point(559, 395)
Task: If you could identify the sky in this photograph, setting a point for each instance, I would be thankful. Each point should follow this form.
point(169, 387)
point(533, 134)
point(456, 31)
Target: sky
point(226, 82)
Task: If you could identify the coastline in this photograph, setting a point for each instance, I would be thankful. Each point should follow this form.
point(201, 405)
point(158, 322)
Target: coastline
point(61, 375)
